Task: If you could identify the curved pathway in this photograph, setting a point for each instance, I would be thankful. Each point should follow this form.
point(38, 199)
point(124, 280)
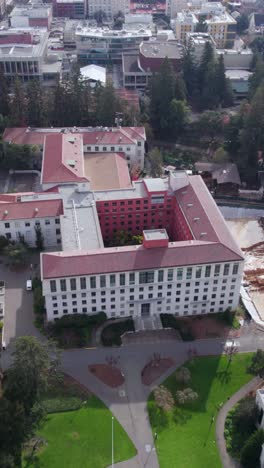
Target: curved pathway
point(227, 461)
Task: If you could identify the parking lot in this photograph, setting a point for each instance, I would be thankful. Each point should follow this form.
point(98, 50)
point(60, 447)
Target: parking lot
point(19, 317)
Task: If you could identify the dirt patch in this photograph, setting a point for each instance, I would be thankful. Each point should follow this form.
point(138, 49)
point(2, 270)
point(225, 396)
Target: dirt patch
point(210, 327)
point(154, 369)
point(109, 375)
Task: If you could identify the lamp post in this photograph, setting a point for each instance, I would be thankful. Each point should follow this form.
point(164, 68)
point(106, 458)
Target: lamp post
point(112, 442)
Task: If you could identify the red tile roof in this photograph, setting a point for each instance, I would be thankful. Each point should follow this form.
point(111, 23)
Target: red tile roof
point(31, 209)
point(107, 171)
point(36, 136)
point(60, 264)
point(61, 151)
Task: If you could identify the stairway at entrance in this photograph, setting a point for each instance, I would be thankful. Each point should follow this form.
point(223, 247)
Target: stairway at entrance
point(147, 323)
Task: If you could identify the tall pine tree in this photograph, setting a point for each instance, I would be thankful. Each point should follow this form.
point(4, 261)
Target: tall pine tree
point(4, 99)
point(18, 105)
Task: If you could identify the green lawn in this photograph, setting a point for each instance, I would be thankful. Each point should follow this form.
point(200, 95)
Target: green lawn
point(188, 439)
point(82, 439)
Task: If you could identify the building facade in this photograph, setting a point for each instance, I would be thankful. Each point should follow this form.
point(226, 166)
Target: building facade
point(31, 16)
point(109, 7)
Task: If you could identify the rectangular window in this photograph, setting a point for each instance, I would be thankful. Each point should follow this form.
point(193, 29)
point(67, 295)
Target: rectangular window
point(131, 278)
point(235, 269)
point(53, 287)
point(207, 271)
point(160, 276)
point(92, 282)
point(73, 284)
point(47, 222)
point(7, 225)
point(83, 283)
point(112, 280)
point(189, 273)
point(63, 284)
point(122, 279)
point(198, 272)
point(170, 274)
point(226, 269)
point(146, 277)
point(217, 270)
point(102, 281)
point(179, 273)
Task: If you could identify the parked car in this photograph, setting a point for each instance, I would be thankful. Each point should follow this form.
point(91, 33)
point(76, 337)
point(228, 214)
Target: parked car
point(29, 285)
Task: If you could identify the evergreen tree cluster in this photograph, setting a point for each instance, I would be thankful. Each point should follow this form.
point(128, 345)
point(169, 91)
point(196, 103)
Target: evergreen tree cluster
point(69, 103)
point(206, 84)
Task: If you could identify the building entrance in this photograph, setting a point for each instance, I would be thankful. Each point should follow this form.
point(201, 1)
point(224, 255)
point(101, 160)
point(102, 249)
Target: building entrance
point(145, 309)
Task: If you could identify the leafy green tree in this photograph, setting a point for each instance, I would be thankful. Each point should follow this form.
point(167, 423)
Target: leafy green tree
point(209, 98)
point(35, 104)
point(180, 88)
point(189, 73)
point(178, 116)
point(16, 156)
point(257, 78)
point(3, 243)
point(223, 88)
point(252, 135)
point(107, 105)
point(39, 238)
point(59, 99)
point(18, 105)
point(99, 16)
point(17, 254)
point(242, 23)
point(4, 99)
point(257, 45)
point(206, 61)
point(250, 454)
point(210, 124)
point(220, 155)
point(257, 364)
point(245, 415)
point(162, 92)
point(155, 162)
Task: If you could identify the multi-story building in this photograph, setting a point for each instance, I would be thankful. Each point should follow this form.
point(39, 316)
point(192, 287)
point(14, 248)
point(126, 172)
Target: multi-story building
point(25, 53)
point(100, 45)
point(109, 7)
point(185, 23)
point(188, 263)
point(73, 9)
point(139, 68)
point(130, 141)
point(31, 16)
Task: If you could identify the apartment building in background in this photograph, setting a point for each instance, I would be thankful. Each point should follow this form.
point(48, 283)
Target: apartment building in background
point(38, 15)
point(188, 263)
point(73, 9)
point(109, 7)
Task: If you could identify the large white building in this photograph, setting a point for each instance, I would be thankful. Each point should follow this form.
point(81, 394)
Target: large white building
point(109, 7)
point(188, 264)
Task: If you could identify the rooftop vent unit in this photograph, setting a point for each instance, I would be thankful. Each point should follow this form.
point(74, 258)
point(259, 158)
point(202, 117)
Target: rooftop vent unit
point(36, 210)
point(6, 212)
point(203, 234)
point(189, 205)
point(196, 219)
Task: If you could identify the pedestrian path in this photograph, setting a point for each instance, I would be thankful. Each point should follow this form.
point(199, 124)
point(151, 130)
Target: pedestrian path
point(227, 461)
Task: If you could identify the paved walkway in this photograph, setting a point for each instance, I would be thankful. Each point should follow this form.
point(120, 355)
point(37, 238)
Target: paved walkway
point(227, 461)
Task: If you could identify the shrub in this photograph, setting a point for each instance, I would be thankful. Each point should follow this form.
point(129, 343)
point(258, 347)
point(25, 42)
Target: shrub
point(3, 243)
point(257, 363)
point(111, 335)
point(250, 454)
point(183, 375)
point(78, 321)
point(157, 416)
point(163, 398)
point(185, 396)
point(38, 300)
point(1, 324)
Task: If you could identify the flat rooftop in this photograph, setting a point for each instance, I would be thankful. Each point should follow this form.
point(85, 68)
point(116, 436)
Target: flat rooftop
point(160, 49)
point(107, 171)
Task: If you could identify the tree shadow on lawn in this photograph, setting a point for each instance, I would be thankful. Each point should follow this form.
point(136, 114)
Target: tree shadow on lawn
point(181, 416)
point(213, 378)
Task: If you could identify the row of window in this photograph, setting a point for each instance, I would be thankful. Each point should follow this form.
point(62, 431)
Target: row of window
point(145, 277)
point(28, 224)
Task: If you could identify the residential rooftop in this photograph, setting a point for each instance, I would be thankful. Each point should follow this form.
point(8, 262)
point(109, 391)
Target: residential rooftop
point(107, 171)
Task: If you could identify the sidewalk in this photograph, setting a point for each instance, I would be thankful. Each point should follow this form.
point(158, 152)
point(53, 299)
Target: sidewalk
point(227, 461)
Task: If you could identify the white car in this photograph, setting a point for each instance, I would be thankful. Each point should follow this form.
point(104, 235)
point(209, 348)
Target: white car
point(29, 285)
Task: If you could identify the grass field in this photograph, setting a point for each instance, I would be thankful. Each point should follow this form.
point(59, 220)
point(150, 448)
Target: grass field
point(187, 440)
point(82, 439)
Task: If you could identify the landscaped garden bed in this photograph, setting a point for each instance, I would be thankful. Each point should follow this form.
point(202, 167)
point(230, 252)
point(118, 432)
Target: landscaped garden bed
point(155, 369)
point(111, 334)
point(74, 331)
point(186, 431)
point(109, 375)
